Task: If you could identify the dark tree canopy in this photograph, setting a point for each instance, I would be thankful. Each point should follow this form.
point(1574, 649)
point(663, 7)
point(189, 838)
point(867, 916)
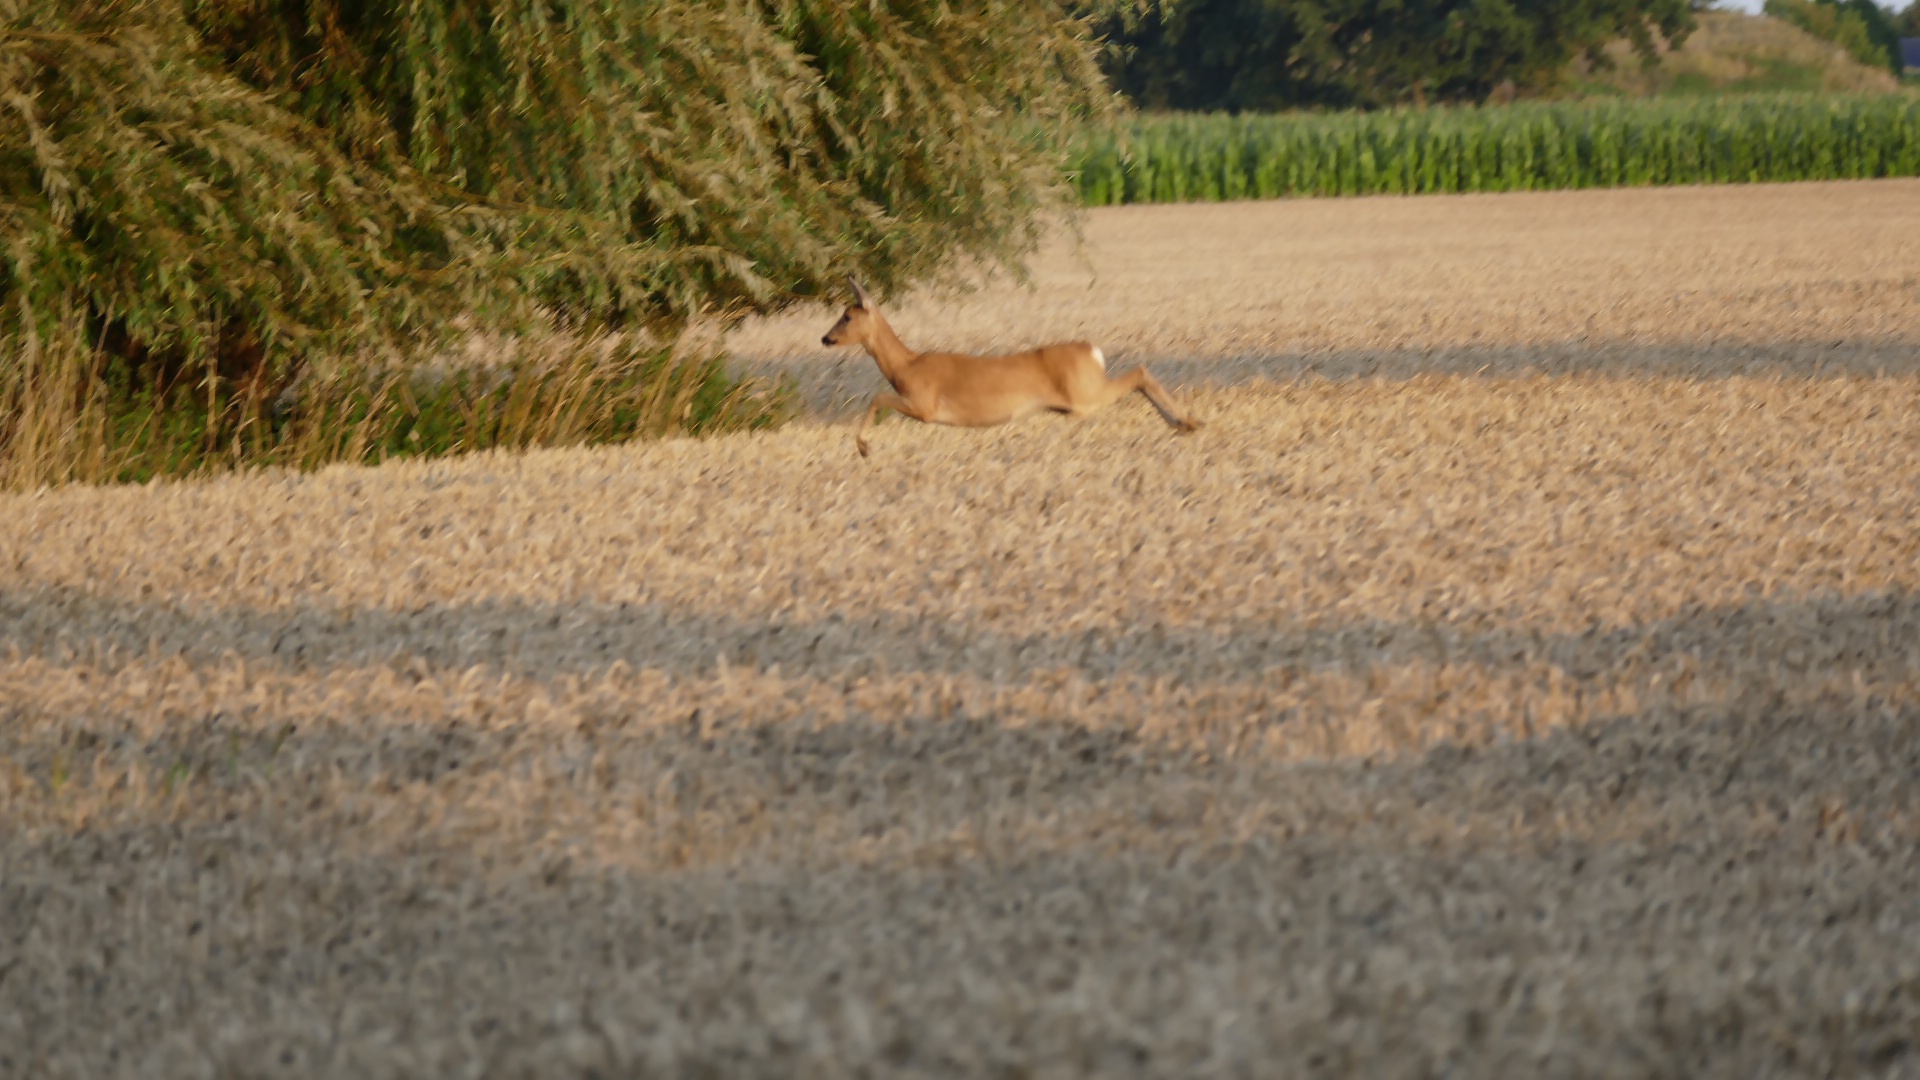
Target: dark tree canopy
point(199, 178)
point(1907, 22)
point(1277, 54)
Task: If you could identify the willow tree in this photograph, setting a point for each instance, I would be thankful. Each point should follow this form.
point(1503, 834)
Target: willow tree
point(216, 186)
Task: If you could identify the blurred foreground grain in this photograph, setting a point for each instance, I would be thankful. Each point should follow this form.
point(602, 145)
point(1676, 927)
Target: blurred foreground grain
point(1503, 721)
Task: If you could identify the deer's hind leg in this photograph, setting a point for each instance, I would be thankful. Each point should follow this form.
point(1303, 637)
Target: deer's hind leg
point(1112, 390)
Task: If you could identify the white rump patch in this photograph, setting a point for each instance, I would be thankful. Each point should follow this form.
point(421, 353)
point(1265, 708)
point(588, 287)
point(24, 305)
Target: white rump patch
point(1100, 358)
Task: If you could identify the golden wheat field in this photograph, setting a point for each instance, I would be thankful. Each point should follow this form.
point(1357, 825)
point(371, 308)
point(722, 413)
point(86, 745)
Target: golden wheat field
point(1518, 675)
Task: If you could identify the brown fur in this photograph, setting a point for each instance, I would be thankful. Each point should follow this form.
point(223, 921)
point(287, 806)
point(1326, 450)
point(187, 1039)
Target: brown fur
point(981, 391)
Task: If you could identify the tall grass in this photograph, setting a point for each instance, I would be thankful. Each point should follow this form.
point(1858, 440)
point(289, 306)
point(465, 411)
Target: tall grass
point(80, 418)
point(1520, 147)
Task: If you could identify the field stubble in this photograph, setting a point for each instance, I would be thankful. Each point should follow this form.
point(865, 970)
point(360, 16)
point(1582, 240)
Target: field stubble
point(1548, 706)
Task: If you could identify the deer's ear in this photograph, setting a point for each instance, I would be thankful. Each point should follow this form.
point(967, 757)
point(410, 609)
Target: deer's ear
point(860, 294)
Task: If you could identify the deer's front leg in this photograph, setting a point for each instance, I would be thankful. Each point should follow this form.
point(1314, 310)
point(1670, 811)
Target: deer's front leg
point(883, 401)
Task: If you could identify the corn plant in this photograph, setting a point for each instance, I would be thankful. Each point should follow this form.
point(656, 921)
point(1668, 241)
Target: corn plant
point(1521, 147)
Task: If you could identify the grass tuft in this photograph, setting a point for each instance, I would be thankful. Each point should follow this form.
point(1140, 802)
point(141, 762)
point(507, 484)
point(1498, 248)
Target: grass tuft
point(90, 419)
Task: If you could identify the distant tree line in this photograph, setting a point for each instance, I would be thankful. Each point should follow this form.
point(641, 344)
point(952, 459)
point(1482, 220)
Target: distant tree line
point(1258, 55)
point(1266, 55)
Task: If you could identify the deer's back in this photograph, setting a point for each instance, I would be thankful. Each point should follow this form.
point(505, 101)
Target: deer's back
point(983, 390)
point(1063, 359)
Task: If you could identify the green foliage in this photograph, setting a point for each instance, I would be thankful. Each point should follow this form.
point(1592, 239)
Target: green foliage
point(148, 198)
point(219, 197)
point(1522, 147)
point(646, 161)
point(1858, 26)
point(1880, 27)
point(1273, 54)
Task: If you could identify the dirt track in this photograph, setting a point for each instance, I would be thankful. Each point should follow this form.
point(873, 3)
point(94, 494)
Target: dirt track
point(1550, 706)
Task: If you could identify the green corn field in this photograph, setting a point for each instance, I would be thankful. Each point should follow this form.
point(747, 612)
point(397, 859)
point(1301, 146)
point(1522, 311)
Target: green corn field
point(1520, 147)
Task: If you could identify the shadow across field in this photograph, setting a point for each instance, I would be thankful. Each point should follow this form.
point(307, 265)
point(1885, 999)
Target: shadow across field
point(837, 387)
point(1873, 634)
point(1724, 891)
point(1703, 360)
point(1724, 883)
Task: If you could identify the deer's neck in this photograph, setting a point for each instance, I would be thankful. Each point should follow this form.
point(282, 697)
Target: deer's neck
point(888, 351)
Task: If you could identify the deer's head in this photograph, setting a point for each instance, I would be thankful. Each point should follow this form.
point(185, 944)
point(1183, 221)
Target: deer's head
point(856, 323)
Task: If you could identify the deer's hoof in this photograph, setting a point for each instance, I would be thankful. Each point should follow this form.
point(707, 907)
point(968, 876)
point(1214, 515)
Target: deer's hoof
point(861, 446)
point(1187, 427)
